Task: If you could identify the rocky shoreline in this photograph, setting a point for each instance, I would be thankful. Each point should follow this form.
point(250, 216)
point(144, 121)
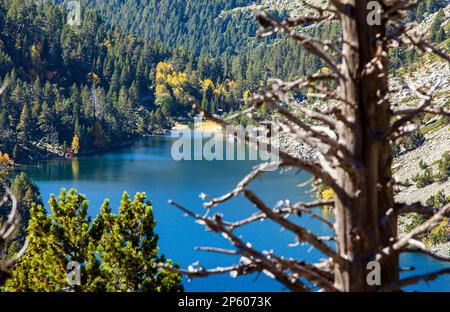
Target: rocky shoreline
point(289, 143)
point(37, 154)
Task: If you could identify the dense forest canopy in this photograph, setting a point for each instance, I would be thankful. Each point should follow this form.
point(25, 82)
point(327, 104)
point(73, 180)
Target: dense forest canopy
point(65, 80)
point(198, 26)
point(131, 67)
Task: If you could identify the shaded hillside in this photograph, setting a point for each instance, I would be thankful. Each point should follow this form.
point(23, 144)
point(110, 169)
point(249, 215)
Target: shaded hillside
point(194, 25)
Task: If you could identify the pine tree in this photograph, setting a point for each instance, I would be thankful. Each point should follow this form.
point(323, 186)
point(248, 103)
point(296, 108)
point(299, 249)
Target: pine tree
point(420, 11)
point(27, 193)
point(431, 6)
point(42, 267)
point(44, 120)
point(24, 124)
point(129, 249)
point(15, 154)
point(115, 252)
point(3, 122)
point(436, 26)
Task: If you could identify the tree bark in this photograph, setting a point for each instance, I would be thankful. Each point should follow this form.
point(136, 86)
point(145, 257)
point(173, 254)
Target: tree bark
point(368, 193)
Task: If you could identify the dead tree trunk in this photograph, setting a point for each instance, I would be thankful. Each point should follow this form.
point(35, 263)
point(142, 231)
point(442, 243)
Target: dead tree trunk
point(367, 193)
point(353, 144)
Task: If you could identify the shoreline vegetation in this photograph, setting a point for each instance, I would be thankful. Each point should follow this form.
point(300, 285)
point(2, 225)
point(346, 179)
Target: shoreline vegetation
point(46, 152)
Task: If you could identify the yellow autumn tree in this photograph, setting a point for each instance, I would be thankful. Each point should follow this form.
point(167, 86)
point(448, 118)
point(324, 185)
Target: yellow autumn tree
point(246, 97)
point(325, 71)
point(161, 89)
point(206, 84)
point(220, 90)
point(163, 69)
point(177, 81)
point(171, 82)
point(75, 144)
point(6, 165)
point(328, 194)
point(5, 160)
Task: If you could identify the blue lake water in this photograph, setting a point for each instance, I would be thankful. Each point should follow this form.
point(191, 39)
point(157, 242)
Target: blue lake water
point(148, 167)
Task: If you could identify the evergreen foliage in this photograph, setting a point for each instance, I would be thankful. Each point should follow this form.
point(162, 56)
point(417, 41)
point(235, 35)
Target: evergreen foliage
point(63, 79)
point(115, 252)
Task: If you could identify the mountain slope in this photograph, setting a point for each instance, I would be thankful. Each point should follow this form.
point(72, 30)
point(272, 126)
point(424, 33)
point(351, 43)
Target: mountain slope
point(194, 25)
point(436, 129)
point(65, 81)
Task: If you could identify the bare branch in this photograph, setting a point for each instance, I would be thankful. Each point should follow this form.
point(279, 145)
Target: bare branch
point(413, 113)
point(323, 139)
point(426, 46)
point(437, 111)
point(427, 253)
point(238, 270)
point(310, 272)
point(306, 270)
point(302, 233)
point(402, 209)
point(240, 113)
point(416, 279)
point(300, 207)
point(312, 167)
point(406, 239)
point(265, 263)
point(323, 14)
point(309, 132)
point(7, 227)
point(243, 184)
point(281, 90)
point(296, 209)
point(217, 250)
point(9, 263)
